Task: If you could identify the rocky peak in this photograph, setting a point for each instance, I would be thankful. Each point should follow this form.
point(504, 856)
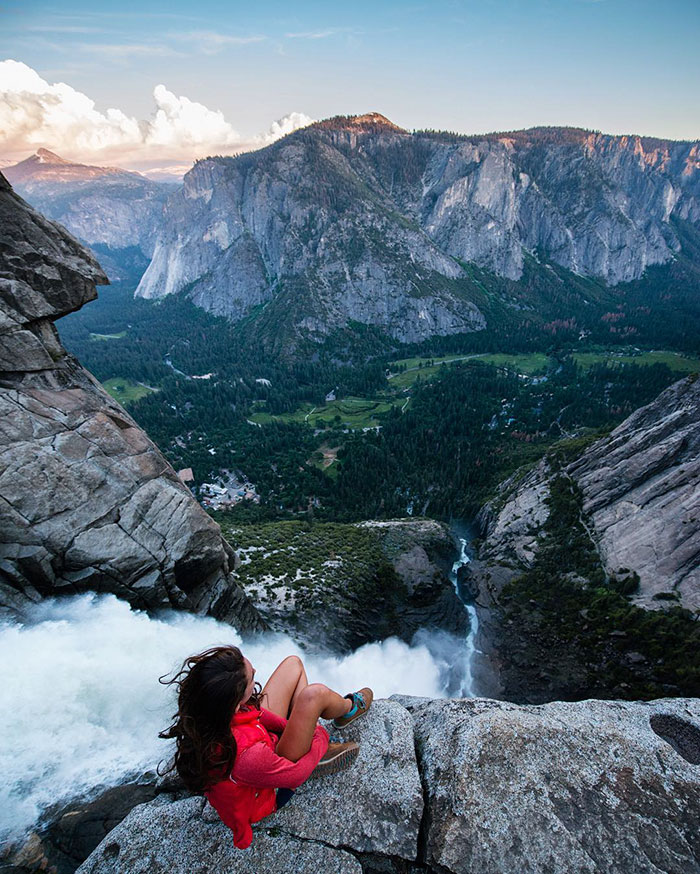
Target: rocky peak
point(47, 167)
point(44, 156)
point(108, 207)
point(370, 122)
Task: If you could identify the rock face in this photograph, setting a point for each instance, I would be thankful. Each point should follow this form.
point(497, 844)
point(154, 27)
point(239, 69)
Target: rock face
point(585, 786)
point(641, 491)
point(641, 495)
point(638, 520)
point(356, 219)
point(591, 786)
point(112, 210)
point(88, 501)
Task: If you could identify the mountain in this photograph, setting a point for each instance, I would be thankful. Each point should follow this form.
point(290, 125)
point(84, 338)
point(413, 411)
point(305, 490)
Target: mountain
point(115, 212)
point(87, 501)
point(355, 220)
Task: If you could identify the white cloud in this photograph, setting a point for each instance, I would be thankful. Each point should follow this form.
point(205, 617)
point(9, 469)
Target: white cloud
point(313, 34)
point(35, 113)
point(210, 43)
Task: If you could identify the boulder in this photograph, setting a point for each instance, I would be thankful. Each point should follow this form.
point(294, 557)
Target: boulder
point(374, 807)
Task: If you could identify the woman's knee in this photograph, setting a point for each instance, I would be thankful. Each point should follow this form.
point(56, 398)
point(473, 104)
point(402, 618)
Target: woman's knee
point(293, 662)
point(313, 695)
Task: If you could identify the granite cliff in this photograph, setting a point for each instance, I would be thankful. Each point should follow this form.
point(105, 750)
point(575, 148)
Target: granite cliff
point(115, 212)
point(461, 786)
point(631, 502)
point(87, 501)
point(355, 219)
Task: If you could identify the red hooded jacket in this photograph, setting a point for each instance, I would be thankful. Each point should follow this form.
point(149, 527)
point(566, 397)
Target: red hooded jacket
point(248, 794)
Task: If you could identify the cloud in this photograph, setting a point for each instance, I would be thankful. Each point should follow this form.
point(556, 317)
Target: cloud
point(210, 43)
point(314, 34)
point(35, 113)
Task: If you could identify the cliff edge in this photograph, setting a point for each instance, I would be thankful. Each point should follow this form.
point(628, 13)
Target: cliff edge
point(461, 785)
point(87, 501)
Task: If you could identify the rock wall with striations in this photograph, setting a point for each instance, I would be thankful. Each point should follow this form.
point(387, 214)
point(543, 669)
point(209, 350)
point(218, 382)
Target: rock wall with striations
point(636, 519)
point(87, 501)
point(641, 500)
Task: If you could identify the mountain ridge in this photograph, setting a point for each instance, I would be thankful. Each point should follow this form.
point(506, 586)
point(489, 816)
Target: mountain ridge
point(357, 220)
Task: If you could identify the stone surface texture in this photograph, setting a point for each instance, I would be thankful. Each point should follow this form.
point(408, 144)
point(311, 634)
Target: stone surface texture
point(382, 792)
point(364, 221)
point(87, 501)
point(588, 786)
point(162, 837)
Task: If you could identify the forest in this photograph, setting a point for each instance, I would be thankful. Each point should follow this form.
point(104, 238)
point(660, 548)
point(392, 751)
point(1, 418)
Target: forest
point(448, 434)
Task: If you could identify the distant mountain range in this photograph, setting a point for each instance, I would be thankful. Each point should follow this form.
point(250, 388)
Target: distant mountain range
point(354, 220)
point(117, 213)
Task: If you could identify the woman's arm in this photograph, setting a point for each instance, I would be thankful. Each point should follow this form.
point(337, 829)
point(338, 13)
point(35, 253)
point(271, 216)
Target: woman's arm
point(261, 767)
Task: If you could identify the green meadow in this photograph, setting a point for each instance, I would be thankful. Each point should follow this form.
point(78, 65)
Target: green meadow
point(126, 391)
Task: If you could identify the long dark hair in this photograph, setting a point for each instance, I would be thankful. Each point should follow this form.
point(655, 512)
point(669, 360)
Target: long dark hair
point(210, 686)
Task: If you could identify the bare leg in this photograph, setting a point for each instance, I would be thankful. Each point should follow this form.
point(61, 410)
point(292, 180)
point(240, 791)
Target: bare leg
point(282, 689)
point(312, 702)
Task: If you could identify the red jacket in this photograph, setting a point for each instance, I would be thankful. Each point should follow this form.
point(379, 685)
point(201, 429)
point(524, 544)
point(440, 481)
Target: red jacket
point(248, 794)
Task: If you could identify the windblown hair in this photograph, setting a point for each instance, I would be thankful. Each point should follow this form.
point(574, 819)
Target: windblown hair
point(210, 686)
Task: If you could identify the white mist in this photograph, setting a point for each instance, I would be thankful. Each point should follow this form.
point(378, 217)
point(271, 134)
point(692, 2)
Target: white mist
point(81, 705)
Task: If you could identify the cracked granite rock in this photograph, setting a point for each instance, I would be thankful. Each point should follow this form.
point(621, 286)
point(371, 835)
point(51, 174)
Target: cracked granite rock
point(382, 792)
point(87, 501)
point(589, 786)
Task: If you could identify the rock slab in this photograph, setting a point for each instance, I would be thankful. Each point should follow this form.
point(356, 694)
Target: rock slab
point(162, 837)
point(589, 786)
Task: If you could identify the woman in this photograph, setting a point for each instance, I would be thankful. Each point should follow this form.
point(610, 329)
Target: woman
point(247, 749)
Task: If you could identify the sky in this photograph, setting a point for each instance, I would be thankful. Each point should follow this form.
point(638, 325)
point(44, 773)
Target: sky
point(154, 84)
